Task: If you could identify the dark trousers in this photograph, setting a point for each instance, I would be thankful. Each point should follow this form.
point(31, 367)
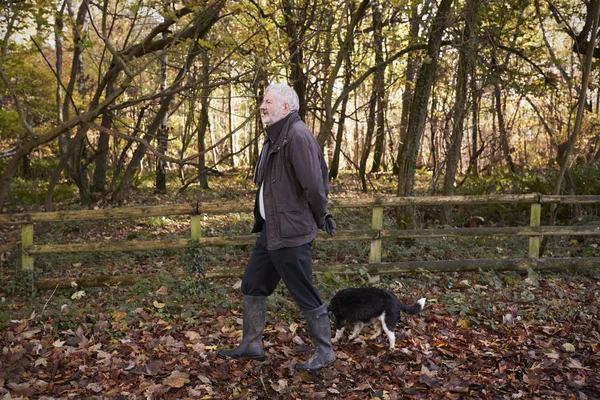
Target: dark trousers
point(293, 265)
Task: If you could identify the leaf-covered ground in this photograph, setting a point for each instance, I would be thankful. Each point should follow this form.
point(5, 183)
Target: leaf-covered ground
point(481, 336)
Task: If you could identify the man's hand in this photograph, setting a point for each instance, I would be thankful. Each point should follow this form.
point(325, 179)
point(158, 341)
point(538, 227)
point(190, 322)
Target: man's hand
point(329, 225)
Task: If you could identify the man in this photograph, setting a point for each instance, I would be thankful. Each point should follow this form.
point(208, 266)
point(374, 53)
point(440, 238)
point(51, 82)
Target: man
point(291, 204)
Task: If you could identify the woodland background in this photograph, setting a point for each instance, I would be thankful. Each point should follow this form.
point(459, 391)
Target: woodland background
point(96, 95)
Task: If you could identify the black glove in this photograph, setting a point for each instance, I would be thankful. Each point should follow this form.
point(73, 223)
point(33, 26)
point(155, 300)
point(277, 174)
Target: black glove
point(329, 225)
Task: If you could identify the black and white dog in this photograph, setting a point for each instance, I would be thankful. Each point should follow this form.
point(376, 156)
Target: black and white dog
point(362, 305)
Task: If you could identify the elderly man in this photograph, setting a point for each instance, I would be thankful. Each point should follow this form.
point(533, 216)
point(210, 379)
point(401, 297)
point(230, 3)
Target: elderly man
point(291, 205)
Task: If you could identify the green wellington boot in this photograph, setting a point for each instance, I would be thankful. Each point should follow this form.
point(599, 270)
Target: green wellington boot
point(254, 315)
point(319, 328)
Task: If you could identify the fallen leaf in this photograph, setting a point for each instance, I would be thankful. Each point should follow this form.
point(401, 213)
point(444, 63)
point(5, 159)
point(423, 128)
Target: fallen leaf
point(21, 389)
point(30, 333)
point(158, 305)
point(21, 327)
point(363, 386)
point(95, 387)
point(177, 379)
point(552, 354)
point(162, 291)
point(41, 361)
point(193, 336)
point(568, 347)
point(78, 295)
point(154, 391)
point(229, 329)
point(281, 386)
point(462, 323)
point(298, 340)
point(574, 364)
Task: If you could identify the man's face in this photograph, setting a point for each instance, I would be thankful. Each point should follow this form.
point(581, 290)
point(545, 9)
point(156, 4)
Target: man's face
point(271, 108)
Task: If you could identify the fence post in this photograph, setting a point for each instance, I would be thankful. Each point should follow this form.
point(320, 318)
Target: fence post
point(375, 255)
point(196, 226)
point(26, 241)
point(535, 220)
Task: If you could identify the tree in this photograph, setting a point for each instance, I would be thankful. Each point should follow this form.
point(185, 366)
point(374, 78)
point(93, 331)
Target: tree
point(418, 112)
point(328, 90)
point(123, 65)
point(466, 65)
point(591, 28)
point(379, 90)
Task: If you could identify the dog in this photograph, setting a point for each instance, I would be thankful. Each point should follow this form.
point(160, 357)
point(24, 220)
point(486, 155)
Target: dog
point(362, 305)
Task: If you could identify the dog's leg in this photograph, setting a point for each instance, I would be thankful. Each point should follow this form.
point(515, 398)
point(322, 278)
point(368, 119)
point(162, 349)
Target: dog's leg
point(338, 335)
point(377, 328)
point(357, 328)
point(389, 332)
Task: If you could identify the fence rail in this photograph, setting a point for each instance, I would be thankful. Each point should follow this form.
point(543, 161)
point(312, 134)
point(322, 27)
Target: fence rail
point(376, 234)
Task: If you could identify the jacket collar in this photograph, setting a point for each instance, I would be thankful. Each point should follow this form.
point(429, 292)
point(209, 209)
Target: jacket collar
point(279, 130)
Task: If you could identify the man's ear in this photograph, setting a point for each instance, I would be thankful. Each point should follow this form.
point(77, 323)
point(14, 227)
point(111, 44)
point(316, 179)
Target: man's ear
point(286, 108)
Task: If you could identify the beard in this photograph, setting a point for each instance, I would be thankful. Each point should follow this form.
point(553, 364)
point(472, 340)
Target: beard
point(271, 117)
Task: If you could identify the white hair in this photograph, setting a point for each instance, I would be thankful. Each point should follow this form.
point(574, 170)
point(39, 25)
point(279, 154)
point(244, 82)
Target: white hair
point(285, 94)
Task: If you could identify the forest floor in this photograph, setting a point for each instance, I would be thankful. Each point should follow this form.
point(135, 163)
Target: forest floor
point(482, 335)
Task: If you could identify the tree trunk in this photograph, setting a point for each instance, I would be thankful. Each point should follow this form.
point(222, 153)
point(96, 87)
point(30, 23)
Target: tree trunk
point(203, 123)
point(101, 159)
point(475, 150)
point(378, 89)
point(345, 48)
point(409, 74)
point(418, 112)
point(503, 135)
point(334, 167)
point(58, 40)
point(163, 130)
point(76, 165)
point(297, 22)
point(362, 168)
point(120, 163)
point(232, 148)
point(593, 19)
point(466, 66)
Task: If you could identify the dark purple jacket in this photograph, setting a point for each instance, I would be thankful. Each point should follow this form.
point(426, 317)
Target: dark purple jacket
point(296, 185)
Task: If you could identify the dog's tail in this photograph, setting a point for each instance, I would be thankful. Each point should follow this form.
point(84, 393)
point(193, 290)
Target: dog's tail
point(417, 307)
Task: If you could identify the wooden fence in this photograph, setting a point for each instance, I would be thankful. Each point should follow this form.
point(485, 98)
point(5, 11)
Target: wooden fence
point(376, 234)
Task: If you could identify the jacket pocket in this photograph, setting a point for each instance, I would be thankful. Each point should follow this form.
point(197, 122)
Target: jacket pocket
point(295, 219)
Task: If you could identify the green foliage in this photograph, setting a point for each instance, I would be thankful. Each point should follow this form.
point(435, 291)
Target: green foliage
point(28, 74)
point(195, 260)
point(137, 235)
point(504, 181)
point(22, 283)
point(586, 178)
point(31, 192)
point(157, 221)
point(10, 126)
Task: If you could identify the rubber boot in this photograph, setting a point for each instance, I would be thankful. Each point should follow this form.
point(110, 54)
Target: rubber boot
point(319, 328)
point(254, 314)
